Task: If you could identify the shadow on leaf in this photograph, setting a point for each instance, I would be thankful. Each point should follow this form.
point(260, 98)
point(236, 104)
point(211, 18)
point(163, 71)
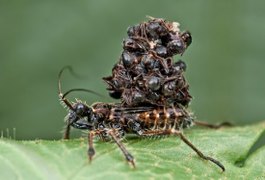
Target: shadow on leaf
point(240, 162)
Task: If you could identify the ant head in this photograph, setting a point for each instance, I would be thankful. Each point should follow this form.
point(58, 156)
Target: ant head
point(81, 109)
point(80, 115)
point(186, 36)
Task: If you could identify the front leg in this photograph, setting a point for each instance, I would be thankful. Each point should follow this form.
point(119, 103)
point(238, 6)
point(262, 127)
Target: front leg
point(67, 131)
point(76, 125)
point(91, 151)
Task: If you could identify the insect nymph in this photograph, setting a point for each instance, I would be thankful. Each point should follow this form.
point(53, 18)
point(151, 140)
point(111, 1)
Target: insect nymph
point(111, 121)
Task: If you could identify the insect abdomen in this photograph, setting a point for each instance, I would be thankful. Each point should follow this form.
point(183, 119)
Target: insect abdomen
point(165, 118)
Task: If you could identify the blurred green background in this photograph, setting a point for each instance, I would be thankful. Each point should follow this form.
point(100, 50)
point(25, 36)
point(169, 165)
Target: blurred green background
point(37, 38)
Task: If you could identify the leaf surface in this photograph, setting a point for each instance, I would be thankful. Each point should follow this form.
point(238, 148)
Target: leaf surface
point(156, 158)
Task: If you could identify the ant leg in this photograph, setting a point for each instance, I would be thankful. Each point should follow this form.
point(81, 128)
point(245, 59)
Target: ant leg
point(185, 140)
point(212, 126)
point(91, 150)
point(127, 155)
point(67, 131)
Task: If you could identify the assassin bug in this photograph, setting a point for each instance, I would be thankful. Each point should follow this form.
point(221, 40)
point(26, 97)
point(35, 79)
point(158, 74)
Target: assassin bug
point(111, 121)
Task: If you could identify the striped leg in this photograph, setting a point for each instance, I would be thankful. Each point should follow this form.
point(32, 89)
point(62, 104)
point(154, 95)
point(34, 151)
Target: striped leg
point(91, 151)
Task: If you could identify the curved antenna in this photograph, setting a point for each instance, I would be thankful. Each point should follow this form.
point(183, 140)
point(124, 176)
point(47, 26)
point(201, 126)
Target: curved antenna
point(60, 74)
point(83, 90)
point(62, 95)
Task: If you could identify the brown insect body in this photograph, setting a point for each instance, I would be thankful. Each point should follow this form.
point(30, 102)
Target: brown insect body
point(113, 121)
point(152, 118)
point(165, 118)
point(137, 120)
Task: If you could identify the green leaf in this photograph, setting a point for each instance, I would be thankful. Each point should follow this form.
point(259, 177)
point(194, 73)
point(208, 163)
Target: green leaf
point(166, 158)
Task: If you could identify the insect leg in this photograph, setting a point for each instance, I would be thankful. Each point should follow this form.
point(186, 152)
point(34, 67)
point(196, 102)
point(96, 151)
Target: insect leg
point(212, 126)
point(67, 131)
point(91, 150)
point(184, 139)
point(125, 152)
